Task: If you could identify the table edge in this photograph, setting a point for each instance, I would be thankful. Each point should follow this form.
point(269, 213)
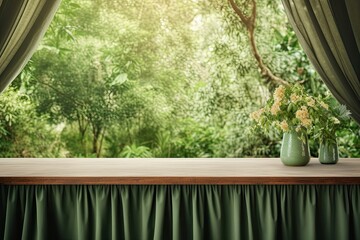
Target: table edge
point(253, 180)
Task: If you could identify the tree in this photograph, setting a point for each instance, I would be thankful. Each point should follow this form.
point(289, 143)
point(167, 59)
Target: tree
point(249, 23)
point(161, 78)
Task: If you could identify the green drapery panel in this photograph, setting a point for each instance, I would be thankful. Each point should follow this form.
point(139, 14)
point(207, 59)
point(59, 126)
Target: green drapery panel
point(329, 32)
point(180, 212)
point(22, 25)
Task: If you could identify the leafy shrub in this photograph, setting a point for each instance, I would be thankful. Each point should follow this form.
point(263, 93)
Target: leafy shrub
point(22, 132)
point(134, 151)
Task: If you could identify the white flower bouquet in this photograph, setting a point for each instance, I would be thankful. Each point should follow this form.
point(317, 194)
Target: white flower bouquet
point(289, 109)
point(297, 114)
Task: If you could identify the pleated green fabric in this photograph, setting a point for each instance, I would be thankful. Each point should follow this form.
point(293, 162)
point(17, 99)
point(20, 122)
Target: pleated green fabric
point(329, 32)
point(22, 25)
point(180, 212)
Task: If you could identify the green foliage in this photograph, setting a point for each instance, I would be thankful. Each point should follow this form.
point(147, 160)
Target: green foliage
point(22, 132)
point(196, 140)
point(348, 140)
point(127, 78)
point(134, 151)
point(332, 117)
point(241, 140)
point(165, 144)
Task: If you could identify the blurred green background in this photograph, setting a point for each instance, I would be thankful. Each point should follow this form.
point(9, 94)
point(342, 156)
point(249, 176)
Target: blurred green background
point(150, 78)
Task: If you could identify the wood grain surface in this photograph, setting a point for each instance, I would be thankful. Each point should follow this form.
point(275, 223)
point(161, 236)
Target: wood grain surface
point(26, 171)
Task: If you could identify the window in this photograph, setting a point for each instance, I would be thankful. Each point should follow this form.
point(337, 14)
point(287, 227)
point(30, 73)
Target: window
point(153, 79)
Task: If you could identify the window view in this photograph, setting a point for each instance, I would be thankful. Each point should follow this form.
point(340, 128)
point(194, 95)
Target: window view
point(126, 78)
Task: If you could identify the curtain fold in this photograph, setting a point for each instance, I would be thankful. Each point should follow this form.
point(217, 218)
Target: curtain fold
point(329, 32)
point(22, 25)
point(180, 212)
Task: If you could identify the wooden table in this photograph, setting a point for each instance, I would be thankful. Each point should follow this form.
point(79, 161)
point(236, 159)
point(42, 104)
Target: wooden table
point(174, 171)
point(178, 199)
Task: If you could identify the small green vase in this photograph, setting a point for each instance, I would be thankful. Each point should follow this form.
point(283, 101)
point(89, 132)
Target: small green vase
point(328, 152)
point(294, 151)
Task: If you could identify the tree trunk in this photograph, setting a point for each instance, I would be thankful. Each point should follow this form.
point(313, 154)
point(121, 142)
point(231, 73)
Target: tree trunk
point(249, 23)
point(82, 125)
point(96, 134)
point(101, 142)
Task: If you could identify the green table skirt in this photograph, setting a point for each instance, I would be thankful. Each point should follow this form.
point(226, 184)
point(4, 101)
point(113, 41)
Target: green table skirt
point(187, 212)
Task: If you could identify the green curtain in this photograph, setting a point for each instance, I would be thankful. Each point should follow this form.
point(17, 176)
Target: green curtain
point(180, 212)
point(329, 32)
point(22, 25)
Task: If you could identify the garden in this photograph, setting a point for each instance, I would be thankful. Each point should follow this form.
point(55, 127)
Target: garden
point(169, 79)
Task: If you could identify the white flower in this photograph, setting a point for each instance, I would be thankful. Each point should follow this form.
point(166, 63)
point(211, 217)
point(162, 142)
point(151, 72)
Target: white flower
point(275, 108)
point(284, 126)
point(310, 101)
point(294, 98)
point(303, 115)
point(335, 120)
point(257, 114)
point(324, 105)
point(279, 93)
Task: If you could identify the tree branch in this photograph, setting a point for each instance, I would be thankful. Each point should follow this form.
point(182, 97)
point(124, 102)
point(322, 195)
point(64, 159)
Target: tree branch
point(245, 20)
point(249, 22)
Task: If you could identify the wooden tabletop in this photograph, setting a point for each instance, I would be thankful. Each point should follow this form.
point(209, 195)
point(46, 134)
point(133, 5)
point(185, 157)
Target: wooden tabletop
point(174, 171)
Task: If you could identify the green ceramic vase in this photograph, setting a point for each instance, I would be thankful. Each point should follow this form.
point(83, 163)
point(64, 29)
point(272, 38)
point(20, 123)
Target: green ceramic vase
point(328, 152)
point(294, 151)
